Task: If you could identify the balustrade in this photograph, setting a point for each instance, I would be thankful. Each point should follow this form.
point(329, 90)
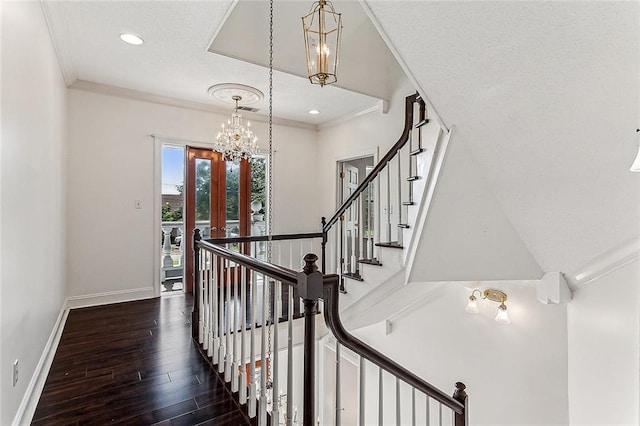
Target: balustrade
point(245, 301)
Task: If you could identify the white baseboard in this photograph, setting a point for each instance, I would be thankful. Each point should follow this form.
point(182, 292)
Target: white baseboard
point(109, 297)
point(27, 407)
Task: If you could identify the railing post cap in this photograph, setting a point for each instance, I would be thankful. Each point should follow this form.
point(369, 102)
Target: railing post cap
point(310, 260)
point(460, 393)
point(196, 234)
point(310, 279)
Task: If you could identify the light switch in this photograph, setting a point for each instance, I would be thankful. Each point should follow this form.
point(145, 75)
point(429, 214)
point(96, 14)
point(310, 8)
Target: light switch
point(138, 204)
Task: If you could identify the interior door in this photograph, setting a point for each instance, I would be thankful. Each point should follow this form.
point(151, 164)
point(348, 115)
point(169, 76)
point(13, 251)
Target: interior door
point(217, 200)
point(351, 218)
point(204, 201)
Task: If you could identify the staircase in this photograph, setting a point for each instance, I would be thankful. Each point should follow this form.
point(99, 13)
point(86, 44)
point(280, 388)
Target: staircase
point(244, 305)
point(402, 186)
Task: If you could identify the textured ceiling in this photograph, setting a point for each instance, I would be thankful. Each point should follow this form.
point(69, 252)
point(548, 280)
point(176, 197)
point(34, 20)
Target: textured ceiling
point(366, 64)
point(545, 95)
point(175, 62)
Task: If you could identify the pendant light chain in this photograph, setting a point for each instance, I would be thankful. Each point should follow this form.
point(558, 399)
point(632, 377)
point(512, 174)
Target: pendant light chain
point(269, 383)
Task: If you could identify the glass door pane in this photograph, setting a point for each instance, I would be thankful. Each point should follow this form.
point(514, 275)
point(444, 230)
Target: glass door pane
point(172, 269)
point(203, 196)
point(232, 220)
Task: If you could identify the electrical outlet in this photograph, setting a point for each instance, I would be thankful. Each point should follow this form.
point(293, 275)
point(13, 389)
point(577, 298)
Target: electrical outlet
point(15, 372)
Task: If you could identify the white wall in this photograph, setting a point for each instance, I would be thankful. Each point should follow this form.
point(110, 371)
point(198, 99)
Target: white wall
point(34, 133)
point(515, 374)
point(357, 137)
point(467, 236)
point(604, 371)
point(111, 164)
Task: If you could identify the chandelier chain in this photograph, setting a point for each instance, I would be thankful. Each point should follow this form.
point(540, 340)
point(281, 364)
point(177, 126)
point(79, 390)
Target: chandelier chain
point(269, 383)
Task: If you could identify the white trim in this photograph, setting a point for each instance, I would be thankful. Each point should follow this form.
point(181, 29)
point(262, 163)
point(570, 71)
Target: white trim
point(110, 297)
point(58, 31)
point(157, 212)
point(106, 89)
point(604, 264)
point(27, 407)
point(227, 13)
point(381, 106)
point(401, 62)
point(437, 165)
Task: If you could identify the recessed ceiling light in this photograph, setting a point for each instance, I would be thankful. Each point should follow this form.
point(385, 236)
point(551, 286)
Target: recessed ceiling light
point(131, 39)
point(314, 112)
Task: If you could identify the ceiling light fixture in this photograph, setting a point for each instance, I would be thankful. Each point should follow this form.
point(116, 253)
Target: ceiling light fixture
point(498, 296)
point(322, 28)
point(635, 167)
point(314, 112)
point(131, 39)
point(235, 142)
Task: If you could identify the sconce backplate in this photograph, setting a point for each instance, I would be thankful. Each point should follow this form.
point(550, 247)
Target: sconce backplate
point(495, 295)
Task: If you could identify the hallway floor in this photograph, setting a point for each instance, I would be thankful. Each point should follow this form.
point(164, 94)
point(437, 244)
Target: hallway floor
point(134, 363)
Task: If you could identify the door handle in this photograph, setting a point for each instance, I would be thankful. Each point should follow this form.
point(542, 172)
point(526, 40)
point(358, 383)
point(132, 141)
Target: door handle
point(214, 228)
point(223, 229)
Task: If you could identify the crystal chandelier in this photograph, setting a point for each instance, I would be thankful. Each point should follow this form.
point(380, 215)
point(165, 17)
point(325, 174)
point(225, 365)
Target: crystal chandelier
point(234, 141)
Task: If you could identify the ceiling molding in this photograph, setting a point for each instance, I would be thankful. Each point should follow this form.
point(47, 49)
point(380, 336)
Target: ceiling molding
point(207, 47)
point(105, 89)
point(605, 264)
point(381, 105)
point(58, 31)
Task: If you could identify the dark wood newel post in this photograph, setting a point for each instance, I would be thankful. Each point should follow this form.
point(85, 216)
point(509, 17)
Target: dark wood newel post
point(310, 287)
point(324, 245)
point(461, 395)
point(195, 314)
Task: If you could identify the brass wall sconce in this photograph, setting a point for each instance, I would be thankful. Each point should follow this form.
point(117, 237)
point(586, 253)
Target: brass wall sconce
point(498, 296)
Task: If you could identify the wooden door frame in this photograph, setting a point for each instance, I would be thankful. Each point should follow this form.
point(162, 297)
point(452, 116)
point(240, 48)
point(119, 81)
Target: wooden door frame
point(217, 200)
point(217, 203)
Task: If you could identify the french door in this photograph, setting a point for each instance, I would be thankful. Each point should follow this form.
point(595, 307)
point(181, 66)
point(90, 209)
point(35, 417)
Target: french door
point(217, 200)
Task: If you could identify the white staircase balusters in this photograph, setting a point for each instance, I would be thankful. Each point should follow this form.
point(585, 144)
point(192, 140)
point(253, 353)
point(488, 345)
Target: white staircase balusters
point(262, 412)
point(380, 398)
point(252, 348)
point(290, 394)
point(243, 335)
point(227, 321)
point(234, 336)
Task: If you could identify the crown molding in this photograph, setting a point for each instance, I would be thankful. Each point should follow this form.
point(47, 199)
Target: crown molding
point(605, 263)
point(383, 34)
point(381, 105)
point(105, 89)
point(59, 35)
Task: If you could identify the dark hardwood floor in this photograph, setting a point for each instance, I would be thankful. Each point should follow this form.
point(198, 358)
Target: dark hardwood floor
point(134, 363)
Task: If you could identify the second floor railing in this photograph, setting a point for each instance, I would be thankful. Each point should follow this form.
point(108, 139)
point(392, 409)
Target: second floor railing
point(244, 320)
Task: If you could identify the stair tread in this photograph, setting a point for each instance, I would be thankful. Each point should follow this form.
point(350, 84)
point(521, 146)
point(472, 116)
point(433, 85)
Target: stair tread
point(417, 151)
point(390, 244)
point(422, 123)
point(353, 276)
point(374, 262)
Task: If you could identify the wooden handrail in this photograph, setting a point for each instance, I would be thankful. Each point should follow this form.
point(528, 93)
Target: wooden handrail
point(258, 238)
point(408, 125)
point(279, 273)
point(332, 319)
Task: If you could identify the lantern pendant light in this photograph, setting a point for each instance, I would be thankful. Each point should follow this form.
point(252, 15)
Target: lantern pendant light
point(322, 28)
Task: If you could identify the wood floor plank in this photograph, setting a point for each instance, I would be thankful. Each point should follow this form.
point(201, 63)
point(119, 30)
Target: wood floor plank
point(133, 363)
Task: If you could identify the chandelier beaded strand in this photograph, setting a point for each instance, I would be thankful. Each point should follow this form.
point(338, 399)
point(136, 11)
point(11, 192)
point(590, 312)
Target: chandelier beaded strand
point(235, 142)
